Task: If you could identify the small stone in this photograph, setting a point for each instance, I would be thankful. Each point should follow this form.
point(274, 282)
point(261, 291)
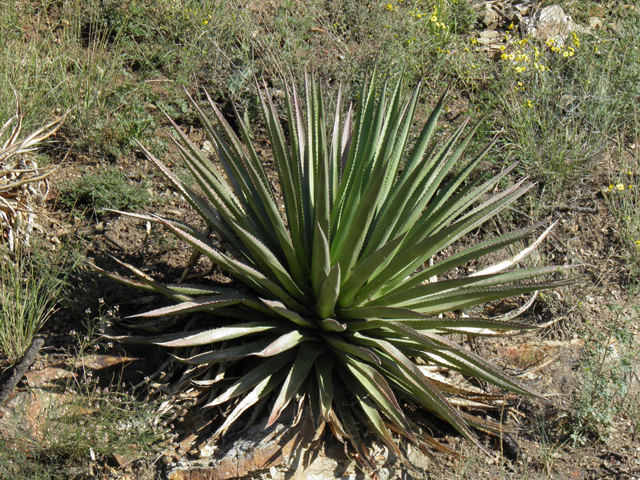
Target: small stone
point(595, 23)
point(487, 37)
point(123, 460)
point(577, 475)
point(49, 377)
point(596, 11)
point(488, 17)
point(100, 362)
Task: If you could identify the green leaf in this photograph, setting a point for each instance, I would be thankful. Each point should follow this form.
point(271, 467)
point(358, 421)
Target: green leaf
point(320, 263)
point(419, 386)
point(409, 259)
point(324, 369)
point(229, 354)
point(467, 361)
point(255, 377)
point(413, 297)
point(378, 390)
point(467, 255)
point(298, 373)
point(284, 343)
point(329, 294)
point(190, 339)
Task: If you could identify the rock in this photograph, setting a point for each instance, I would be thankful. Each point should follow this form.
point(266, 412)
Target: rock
point(49, 377)
point(550, 23)
point(529, 354)
point(488, 17)
point(29, 414)
point(487, 37)
point(256, 450)
point(208, 149)
point(122, 460)
point(595, 23)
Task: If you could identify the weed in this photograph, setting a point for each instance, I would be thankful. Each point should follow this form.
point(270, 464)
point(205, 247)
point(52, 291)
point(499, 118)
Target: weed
point(30, 287)
point(610, 393)
point(86, 422)
point(107, 189)
point(623, 199)
point(564, 103)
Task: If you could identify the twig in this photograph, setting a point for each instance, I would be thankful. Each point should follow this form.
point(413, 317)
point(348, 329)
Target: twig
point(21, 369)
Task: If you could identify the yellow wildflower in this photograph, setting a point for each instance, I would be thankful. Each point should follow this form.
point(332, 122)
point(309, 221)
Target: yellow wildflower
point(576, 40)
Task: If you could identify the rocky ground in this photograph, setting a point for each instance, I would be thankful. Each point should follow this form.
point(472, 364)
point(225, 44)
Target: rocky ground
point(548, 359)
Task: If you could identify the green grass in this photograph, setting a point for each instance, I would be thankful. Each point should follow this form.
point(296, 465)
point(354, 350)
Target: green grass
point(610, 397)
point(103, 189)
point(72, 428)
point(31, 286)
point(58, 432)
point(564, 105)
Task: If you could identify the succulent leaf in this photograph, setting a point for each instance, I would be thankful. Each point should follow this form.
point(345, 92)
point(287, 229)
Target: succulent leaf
point(338, 259)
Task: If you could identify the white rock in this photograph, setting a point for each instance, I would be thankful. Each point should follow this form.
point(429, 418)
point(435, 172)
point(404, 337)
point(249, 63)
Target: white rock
point(550, 23)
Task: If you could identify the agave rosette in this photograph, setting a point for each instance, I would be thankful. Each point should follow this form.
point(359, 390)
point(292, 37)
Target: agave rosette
point(340, 303)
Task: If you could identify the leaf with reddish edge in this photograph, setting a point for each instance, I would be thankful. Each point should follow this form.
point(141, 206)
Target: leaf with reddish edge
point(285, 342)
point(281, 309)
point(332, 325)
point(203, 303)
point(229, 354)
point(298, 373)
point(190, 339)
point(255, 377)
point(260, 391)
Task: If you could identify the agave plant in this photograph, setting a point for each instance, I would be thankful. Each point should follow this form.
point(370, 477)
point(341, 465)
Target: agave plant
point(341, 280)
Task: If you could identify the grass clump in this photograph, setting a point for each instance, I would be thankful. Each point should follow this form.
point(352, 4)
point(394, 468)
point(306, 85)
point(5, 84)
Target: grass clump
point(567, 104)
point(108, 188)
point(31, 285)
